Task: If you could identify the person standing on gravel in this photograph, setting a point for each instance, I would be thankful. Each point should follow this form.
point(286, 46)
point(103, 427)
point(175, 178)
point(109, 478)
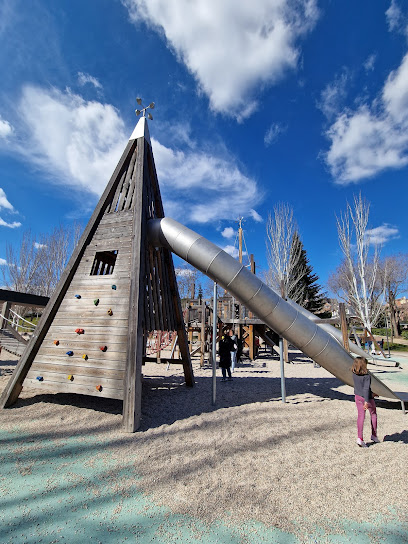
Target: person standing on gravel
point(226, 345)
point(234, 339)
point(364, 400)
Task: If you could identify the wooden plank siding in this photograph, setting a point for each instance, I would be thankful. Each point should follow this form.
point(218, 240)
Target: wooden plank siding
point(100, 328)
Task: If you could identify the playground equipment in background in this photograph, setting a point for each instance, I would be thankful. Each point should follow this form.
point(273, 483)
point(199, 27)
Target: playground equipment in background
point(128, 241)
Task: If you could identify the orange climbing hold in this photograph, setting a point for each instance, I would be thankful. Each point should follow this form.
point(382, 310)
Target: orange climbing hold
point(99, 387)
point(110, 312)
point(56, 342)
point(79, 331)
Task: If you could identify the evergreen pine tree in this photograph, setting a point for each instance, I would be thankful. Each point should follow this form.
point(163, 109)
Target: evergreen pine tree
point(308, 291)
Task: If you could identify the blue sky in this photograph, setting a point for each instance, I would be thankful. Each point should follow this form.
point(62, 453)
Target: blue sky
point(303, 102)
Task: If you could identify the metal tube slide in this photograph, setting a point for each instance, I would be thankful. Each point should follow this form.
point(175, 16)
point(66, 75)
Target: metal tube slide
point(266, 304)
point(335, 333)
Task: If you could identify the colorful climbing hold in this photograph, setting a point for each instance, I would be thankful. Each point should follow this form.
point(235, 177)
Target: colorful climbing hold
point(40, 378)
point(79, 331)
point(77, 296)
point(56, 342)
point(99, 387)
point(96, 301)
point(70, 353)
point(103, 348)
point(70, 378)
point(85, 356)
point(114, 287)
point(110, 312)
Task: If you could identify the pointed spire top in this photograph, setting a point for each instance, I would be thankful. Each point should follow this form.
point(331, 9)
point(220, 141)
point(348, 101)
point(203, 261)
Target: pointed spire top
point(141, 129)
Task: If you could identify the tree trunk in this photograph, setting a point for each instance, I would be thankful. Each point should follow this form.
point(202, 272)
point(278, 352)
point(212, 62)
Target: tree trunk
point(394, 319)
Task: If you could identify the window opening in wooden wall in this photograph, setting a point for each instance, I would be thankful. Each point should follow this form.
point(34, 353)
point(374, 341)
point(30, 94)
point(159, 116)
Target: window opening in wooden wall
point(104, 263)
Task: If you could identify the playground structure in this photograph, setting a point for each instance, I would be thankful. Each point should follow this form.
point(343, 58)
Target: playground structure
point(232, 315)
point(13, 327)
point(119, 290)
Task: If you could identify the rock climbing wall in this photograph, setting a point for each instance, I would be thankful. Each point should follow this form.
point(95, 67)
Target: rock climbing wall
point(84, 350)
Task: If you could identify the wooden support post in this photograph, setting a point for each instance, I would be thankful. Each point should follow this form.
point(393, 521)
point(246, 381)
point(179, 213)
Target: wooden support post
point(5, 312)
point(132, 385)
point(158, 353)
point(343, 324)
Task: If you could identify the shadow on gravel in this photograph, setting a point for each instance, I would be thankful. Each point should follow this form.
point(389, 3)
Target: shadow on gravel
point(397, 437)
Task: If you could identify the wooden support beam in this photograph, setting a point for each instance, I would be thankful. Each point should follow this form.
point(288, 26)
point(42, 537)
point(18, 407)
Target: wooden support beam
point(5, 312)
point(343, 324)
point(132, 386)
point(23, 299)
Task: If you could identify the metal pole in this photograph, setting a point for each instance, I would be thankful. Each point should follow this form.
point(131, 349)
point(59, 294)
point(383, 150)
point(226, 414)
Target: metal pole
point(282, 369)
point(214, 346)
point(388, 342)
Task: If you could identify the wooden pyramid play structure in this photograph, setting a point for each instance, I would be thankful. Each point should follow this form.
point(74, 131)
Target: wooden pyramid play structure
point(91, 338)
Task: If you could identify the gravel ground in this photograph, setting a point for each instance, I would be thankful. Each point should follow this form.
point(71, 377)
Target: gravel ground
point(292, 466)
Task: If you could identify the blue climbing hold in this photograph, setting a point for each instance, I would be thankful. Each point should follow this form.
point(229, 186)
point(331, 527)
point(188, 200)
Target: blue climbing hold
point(114, 287)
point(70, 353)
point(40, 378)
point(77, 296)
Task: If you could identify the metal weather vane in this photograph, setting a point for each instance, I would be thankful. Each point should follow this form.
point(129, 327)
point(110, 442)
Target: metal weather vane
point(143, 110)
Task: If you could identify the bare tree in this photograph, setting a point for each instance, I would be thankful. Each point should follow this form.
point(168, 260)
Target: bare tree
point(23, 265)
point(357, 280)
point(283, 255)
point(394, 275)
point(36, 266)
point(186, 281)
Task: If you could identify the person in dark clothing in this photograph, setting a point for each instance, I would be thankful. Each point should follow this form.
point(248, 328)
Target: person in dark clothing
point(226, 345)
point(364, 400)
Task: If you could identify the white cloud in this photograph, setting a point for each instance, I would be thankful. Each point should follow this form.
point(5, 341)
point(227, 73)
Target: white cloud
point(273, 133)
point(255, 216)
point(370, 62)
point(233, 251)
point(5, 128)
point(214, 186)
point(375, 136)
point(333, 96)
point(228, 232)
point(13, 225)
point(396, 20)
point(83, 79)
point(37, 245)
point(383, 234)
point(4, 203)
point(231, 48)
point(3, 262)
point(77, 142)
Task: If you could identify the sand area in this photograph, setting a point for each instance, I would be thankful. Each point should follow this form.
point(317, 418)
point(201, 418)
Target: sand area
point(293, 466)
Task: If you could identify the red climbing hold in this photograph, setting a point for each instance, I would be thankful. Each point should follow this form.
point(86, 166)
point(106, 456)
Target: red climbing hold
point(103, 348)
point(79, 331)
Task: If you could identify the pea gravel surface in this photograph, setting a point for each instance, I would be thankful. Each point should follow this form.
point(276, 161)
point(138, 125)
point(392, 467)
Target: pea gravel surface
point(250, 462)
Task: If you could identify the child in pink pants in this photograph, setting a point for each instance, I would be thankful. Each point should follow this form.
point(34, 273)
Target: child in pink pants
point(364, 400)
